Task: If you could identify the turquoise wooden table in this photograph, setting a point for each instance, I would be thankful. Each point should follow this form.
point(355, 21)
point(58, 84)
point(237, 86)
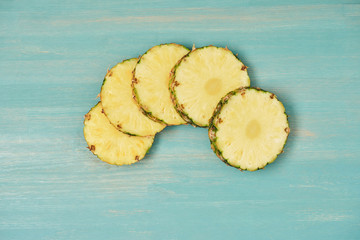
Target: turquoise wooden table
point(53, 57)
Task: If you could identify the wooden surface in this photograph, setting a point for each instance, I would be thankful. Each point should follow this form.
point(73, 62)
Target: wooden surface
point(53, 57)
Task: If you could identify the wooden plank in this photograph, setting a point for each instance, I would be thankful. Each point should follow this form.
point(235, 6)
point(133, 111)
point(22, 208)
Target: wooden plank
point(53, 57)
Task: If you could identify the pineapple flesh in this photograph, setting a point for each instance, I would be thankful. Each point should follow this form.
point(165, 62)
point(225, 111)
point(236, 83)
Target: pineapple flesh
point(151, 81)
point(249, 128)
point(201, 79)
point(109, 144)
point(119, 105)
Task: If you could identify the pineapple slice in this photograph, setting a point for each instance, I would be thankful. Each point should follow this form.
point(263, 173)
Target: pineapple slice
point(151, 82)
point(201, 79)
point(119, 105)
point(249, 128)
point(111, 145)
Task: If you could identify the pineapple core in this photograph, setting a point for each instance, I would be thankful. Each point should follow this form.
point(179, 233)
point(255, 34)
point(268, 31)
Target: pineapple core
point(253, 129)
point(213, 86)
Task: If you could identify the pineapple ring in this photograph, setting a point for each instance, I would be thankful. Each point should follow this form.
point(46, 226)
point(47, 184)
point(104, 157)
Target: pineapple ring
point(151, 82)
point(111, 145)
point(119, 105)
point(249, 128)
point(201, 79)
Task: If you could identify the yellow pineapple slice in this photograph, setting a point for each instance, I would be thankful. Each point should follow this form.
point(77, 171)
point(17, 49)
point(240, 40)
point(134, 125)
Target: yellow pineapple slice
point(119, 105)
point(109, 144)
point(151, 82)
point(202, 78)
point(249, 128)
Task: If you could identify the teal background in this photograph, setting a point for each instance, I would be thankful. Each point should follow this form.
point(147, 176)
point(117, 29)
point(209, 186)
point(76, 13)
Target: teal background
point(53, 57)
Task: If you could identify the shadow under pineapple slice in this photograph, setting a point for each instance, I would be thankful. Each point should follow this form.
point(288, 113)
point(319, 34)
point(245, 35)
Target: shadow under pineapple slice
point(119, 105)
point(249, 128)
point(109, 144)
point(151, 82)
point(201, 79)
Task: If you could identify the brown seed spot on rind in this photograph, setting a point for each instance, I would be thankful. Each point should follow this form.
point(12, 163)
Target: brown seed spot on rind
point(226, 98)
point(287, 130)
point(137, 158)
point(182, 106)
point(242, 93)
point(176, 83)
point(211, 135)
point(102, 111)
point(88, 116)
point(110, 73)
point(118, 126)
point(244, 67)
point(220, 120)
point(217, 108)
point(186, 118)
point(91, 148)
point(220, 156)
point(135, 81)
point(272, 96)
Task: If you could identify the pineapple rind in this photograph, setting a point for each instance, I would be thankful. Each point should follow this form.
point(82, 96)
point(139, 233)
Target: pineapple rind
point(173, 97)
point(141, 144)
point(172, 88)
point(213, 128)
point(142, 108)
point(141, 105)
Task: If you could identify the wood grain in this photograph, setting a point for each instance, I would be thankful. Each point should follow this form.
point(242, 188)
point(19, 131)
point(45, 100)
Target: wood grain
point(53, 57)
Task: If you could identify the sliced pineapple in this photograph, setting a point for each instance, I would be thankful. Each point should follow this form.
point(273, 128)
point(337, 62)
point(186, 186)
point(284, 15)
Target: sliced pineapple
point(119, 105)
point(249, 128)
point(111, 145)
point(151, 82)
point(201, 79)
